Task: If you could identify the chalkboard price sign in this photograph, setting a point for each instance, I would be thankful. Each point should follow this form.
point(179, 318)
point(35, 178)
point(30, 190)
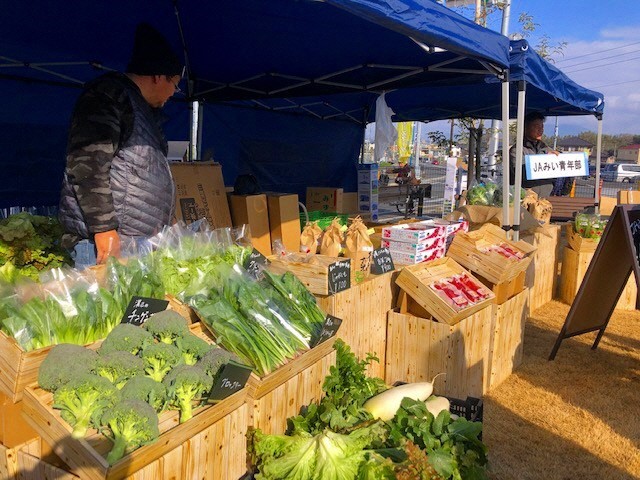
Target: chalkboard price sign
point(339, 276)
point(329, 329)
point(382, 261)
point(255, 263)
point(141, 308)
point(635, 233)
point(232, 378)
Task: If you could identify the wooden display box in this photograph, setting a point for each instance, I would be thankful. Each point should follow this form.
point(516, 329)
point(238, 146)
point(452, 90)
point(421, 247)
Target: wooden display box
point(29, 461)
point(465, 249)
point(542, 273)
point(363, 310)
point(505, 290)
point(19, 368)
point(280, 395)
point(419, 348)
point(578, 243)
point(574, 268)
point(508, 322)
point(415, 281)
point(210, 445)
point(314, 276)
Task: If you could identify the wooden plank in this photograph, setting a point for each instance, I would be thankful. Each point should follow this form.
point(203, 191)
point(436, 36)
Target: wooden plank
point(508, 321)
point(415, 281)
point(314, 274)
point(363, 310)
point(466, 250)
point(542, 273)
point(578, 243)
point(460, 351)
point(574, 268)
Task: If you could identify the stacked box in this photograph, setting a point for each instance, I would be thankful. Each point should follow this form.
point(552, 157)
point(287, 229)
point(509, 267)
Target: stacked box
point(415, 243)
point(368, 190)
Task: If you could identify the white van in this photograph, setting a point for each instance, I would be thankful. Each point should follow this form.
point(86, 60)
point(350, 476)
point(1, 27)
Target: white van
point(619, 172)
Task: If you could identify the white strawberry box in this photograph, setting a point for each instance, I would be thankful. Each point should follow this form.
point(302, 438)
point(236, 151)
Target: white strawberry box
point(414, 232)
point(403, 258)
point(413, 247)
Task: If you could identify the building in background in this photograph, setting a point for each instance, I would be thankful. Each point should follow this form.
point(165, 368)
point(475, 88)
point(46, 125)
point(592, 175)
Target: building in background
point(574, 144)
point(629, 153)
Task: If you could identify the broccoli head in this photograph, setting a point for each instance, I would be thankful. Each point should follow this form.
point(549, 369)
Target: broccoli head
point(145, 389)
point(64, 362)
point(126, 338)
point(215, 359)
point(159, 358)
point(186, 386)
point(193, 348)
point(131, 424)
point(118, 367)
point(167, 326)
point(83, 400)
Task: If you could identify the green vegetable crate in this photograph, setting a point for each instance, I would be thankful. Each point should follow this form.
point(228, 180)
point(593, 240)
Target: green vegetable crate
point(29, 461)
point(210, 445)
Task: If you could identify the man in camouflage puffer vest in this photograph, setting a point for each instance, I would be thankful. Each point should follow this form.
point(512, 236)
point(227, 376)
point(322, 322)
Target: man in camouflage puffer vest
point(118, 190)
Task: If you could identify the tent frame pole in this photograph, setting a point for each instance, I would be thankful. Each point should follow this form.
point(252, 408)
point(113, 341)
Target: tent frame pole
point(597, 192)
point(519, 149)
point(505, 152)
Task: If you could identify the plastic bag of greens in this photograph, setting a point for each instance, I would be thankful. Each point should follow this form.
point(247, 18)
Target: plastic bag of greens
point(589, 226)
point(477, 194)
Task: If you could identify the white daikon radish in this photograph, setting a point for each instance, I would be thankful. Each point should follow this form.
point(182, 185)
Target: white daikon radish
point(385, 405)
point(437, 404)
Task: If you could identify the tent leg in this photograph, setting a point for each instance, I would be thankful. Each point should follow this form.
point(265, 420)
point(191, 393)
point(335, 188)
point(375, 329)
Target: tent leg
point(193, 137)
point(598, 155)
point(505, 152)
point(519, 148)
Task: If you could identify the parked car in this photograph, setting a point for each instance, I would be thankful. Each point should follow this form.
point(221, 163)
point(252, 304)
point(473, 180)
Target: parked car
point(620, 172)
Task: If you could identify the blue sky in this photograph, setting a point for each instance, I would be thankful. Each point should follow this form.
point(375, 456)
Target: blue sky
point(602, 53)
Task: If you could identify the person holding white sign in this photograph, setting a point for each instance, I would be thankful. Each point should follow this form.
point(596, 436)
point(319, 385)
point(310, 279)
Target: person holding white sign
point(532, 145)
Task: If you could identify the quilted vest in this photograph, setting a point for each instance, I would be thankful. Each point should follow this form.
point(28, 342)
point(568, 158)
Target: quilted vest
point(141, 183)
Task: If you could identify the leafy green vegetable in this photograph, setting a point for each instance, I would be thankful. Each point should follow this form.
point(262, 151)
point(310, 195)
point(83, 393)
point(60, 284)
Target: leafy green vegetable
point(453, 447)
point(346, 388)
point(31, 243)
point(325, 456)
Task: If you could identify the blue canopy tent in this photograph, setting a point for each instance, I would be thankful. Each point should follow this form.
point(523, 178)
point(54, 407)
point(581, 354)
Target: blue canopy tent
point(234, 50)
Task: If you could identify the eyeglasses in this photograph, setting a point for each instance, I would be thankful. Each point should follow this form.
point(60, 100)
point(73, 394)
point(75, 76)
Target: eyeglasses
point(176, 87)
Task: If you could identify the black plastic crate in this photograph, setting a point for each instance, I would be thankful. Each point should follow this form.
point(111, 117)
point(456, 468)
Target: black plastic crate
point(471, 408)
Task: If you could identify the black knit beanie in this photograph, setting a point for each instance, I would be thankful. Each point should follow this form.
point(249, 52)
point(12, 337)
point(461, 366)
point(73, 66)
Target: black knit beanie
point(152, 54)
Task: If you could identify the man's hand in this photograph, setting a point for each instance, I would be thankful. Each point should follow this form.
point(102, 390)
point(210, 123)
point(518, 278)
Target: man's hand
point(553, 152)
point(107, 244)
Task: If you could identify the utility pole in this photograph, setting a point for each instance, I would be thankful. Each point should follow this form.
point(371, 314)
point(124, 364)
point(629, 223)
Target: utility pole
point(495, 124)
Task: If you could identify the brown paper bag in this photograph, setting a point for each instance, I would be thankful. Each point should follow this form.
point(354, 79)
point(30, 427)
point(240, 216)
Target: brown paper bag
point(332, 238)
point(310, 238)
point(359, 247)
point(541, 210)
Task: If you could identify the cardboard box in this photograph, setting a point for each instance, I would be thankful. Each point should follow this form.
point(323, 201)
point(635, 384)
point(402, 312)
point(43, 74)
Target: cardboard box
point(324, 199)
point(349, 203)
point(628, 197)
point(284, 219)
point(200, 192)
point(403, 258)
point(414, 232)
point(252, 210)
point(413, 247)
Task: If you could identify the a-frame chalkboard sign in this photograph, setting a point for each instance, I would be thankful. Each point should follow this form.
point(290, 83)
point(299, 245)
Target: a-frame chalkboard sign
point(617, 256)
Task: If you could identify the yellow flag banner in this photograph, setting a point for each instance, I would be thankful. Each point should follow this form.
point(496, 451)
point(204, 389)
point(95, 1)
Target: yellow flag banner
point(405, 140)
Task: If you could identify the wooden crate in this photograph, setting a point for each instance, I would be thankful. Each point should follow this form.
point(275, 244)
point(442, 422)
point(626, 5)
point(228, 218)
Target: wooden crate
point(210, 445)
point(280, 395)
point(30, 461)
point(542, 273)
point(508, 322)
point(578, 243)
point(505, 290)
point(574, 268)
point(19, 368)
point(363, 310)
point(415, 280)
point(420, 348)
point(315, 276)
point(465, 249)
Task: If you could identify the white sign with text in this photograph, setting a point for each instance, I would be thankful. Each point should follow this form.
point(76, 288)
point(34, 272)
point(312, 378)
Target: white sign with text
point(539, 167)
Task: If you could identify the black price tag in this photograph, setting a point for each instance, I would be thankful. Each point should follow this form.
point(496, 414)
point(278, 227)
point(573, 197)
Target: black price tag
point(141, 308)
point(339, 276)
point(255, 263)
point(232, 378)
point(382, 261)
point(329, 329)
